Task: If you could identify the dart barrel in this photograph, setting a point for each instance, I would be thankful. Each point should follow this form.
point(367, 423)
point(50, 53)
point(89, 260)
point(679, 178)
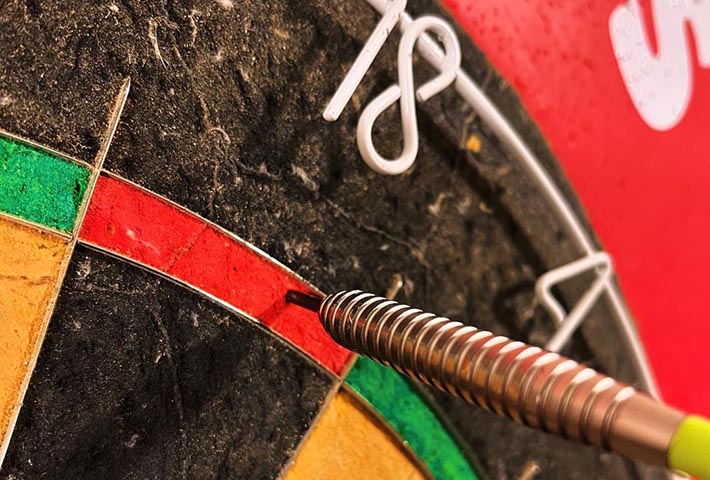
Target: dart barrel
point(531, 386)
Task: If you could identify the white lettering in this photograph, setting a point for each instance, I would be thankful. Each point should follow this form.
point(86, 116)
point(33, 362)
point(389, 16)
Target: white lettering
point(661, 84)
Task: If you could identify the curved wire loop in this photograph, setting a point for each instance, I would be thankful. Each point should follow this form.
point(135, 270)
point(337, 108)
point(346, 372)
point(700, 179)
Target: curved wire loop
point(404, 92)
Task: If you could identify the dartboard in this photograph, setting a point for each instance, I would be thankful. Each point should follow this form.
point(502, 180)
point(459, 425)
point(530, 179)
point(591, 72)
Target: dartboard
point(166, 176)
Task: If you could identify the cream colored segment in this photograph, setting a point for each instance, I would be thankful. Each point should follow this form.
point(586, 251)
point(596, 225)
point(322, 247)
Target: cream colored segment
point(347, 442)
point(30, 262)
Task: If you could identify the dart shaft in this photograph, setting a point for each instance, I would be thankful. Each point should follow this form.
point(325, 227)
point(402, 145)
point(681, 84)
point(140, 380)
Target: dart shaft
point(531, 386)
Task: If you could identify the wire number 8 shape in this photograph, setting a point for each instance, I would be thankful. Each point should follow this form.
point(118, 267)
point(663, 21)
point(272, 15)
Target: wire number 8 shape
point(404, 91)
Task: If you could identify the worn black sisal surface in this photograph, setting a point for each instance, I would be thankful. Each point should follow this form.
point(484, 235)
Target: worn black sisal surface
point(224, 118)
point(142, 379)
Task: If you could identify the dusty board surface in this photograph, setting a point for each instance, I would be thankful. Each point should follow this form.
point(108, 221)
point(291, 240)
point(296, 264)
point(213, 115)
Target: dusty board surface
point(224, 118)
point(141, 379)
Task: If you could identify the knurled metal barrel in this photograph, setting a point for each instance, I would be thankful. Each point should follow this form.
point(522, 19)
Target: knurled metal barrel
point(531, 386)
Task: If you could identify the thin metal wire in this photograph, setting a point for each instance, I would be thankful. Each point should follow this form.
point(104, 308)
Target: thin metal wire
point(403, 91)
point(114, 117)
point(601, 264)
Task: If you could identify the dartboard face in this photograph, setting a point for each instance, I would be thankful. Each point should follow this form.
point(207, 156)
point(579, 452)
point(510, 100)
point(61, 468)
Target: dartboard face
point(166, 176)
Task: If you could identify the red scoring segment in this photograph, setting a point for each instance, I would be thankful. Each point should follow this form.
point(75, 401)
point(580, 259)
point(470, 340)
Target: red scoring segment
point(127, 220)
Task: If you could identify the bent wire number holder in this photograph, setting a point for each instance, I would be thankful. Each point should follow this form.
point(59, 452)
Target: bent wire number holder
point(447, 62)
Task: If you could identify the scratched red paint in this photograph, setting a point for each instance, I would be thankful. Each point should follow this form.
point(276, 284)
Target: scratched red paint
point(127, 220)
point(646, 191)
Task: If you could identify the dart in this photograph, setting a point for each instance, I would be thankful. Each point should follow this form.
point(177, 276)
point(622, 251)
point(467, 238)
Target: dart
point(525, 383)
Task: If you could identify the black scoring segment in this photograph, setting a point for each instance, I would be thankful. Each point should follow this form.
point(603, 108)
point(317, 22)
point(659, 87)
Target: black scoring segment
point(139, 378)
